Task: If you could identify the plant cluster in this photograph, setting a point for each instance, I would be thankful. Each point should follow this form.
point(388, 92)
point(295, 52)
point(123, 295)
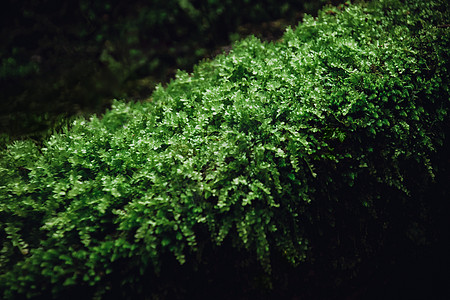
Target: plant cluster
point(324, 143)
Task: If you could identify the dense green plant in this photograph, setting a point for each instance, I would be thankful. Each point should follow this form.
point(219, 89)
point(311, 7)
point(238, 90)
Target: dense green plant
point(323, 142)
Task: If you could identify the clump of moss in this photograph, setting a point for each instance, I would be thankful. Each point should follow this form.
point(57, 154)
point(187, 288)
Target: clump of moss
point(324, 142)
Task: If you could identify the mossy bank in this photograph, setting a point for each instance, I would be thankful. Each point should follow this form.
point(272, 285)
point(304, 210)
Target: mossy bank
point(327, 146)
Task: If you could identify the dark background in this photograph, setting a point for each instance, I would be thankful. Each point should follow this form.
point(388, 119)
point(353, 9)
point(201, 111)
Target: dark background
point(65, 58)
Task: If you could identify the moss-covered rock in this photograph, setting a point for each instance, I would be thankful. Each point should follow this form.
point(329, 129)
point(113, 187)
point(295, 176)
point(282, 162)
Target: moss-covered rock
point(321, 147)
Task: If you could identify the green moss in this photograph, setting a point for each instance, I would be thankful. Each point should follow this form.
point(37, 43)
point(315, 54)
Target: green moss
point(281, 150)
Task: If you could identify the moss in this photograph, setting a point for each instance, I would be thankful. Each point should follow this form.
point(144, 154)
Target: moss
point(320, 145)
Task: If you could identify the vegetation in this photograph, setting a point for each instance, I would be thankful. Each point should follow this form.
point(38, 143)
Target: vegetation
point(326, 148)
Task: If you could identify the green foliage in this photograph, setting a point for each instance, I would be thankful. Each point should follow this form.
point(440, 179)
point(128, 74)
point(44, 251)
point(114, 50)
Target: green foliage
point(281, 150)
